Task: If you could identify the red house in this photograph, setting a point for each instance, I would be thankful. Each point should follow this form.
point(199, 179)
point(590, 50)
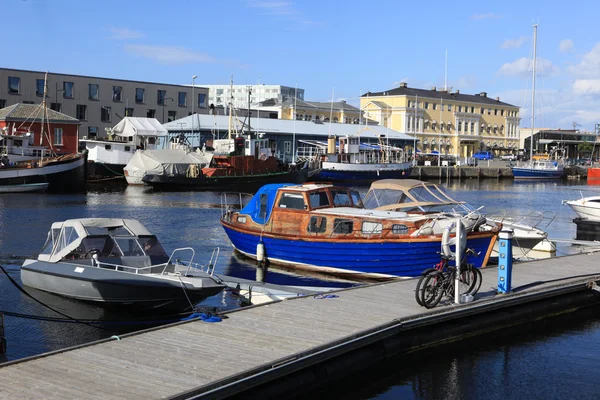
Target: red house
point(60, 130)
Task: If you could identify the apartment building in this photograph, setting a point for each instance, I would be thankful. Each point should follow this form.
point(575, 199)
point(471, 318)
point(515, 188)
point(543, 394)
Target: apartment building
point(290, 108)
point(222, 95)
point(446, 121)
point(100, 103)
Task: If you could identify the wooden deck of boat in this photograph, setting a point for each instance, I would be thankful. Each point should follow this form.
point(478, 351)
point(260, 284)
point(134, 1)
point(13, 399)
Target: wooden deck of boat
point(257, 343)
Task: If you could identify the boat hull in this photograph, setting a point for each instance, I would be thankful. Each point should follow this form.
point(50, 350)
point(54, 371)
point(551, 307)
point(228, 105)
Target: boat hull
point(114, 288)
point(368, 259)
point(531, 173)
point(102, 172)
point(585, 211)
point(25, 188)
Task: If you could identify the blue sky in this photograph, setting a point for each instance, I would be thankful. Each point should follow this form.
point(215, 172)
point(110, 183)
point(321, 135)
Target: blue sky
point(324, 46)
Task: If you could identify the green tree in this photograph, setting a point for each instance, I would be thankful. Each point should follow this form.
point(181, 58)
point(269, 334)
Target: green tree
point(585, 148)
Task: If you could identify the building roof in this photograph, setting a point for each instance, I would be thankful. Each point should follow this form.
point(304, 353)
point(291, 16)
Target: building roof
point(220, 124)
point(438, 94)
point(33, 113)
point(290, 101)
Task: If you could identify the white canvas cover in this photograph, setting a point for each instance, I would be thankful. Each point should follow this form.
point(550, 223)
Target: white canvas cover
point(165, 162)
point(134, 126)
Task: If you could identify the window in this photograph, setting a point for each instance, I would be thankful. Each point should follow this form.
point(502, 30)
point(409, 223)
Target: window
point(68, 90)
point(459, 108)
point(182, 99)
point(105, 114)
point(317, 225)
point(56, 107)
point(399, 229)
point(342, 226)
point(472, 127)
point(502, 113)
point(93, 92)
point(107, 147)
point(340, 198)
point(472, 110)
point(160, 97)
point(219, 92)
point(495, 111)
point(92, 131)
point(369, 228)
point(139, 95)
point(2, 103)
point(151, 114)
point(58, 136)
point(127, 148)
point(172, 116)
point(264, 201)
point(482, 110)
point(287, 147)
point(460, 126)
point(489, 111)
point(39, 87)
point(426, 105)
point(294, 201)
point(449, 107)
point(81, 112)
point(117, 93)
point(128, 112)
point(201, 100)
point(434, 106)
point(318, 199)
point(14, 85)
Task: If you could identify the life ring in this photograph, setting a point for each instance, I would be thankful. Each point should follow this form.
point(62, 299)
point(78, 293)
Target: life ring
point(263, 157)
point(447, 241)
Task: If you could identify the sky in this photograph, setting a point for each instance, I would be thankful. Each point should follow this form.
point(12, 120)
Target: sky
point(332, 49)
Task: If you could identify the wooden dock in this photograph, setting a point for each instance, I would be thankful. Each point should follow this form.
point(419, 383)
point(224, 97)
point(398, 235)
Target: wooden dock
point(277, 346)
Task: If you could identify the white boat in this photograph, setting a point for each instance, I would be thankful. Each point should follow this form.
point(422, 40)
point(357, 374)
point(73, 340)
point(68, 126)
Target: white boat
point(16, 145)
point(537, 169)
point(414, 196)
point(586, 207)
point(107, 158)
point(118, 262)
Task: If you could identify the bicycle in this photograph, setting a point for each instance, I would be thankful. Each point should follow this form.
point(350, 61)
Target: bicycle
point(440, 280)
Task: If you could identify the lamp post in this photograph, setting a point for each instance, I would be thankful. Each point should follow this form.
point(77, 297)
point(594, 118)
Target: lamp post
point(193, 77)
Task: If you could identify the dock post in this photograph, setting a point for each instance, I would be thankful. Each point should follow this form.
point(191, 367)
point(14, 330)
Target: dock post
point(505, 260)
point(2, 339)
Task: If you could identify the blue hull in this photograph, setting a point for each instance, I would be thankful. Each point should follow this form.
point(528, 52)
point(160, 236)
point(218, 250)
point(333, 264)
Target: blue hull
point(530, 173)
point(404, 259)
point(331, 175)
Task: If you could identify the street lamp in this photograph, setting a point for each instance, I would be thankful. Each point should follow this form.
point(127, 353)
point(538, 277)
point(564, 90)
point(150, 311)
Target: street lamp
point(193, 77)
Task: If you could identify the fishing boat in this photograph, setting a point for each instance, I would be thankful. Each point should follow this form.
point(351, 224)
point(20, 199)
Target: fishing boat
point(587, 208)
point(117, 262)
point(351, 161)
point(537, 169)
point(414, 196)
point(325, 228)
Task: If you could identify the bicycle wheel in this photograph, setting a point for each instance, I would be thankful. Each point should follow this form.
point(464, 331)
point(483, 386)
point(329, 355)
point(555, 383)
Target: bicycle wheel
point(479, 280)
point(432, 290)
point(418, 290)
point(468, 280)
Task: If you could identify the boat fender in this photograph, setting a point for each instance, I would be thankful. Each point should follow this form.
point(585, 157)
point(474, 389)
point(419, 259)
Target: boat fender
point(260, 252)
point(447, 241)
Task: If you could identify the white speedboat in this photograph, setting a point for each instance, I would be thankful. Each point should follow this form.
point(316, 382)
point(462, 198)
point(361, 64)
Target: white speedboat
point(414, 196)
point(118, 262)
point(586, 207)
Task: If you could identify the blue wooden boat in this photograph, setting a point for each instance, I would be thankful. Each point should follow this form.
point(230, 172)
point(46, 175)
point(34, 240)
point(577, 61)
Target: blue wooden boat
point(546, 169)
point(325, 228)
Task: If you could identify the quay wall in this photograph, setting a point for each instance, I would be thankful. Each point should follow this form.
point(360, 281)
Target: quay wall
point(482, 172)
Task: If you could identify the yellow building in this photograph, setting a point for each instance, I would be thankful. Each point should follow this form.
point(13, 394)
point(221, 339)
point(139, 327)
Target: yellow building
point(338, 111)
point(449, 122)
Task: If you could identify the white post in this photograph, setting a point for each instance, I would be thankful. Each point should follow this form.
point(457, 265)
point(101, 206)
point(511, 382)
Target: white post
point(415, 133)
point(457, 259)
point(193, 77)
point(294, 133)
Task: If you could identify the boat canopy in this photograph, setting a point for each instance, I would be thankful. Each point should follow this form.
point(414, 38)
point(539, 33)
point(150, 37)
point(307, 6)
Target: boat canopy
point(136, 126)
point(167, 161)
point(260, 206)
point(66, 236)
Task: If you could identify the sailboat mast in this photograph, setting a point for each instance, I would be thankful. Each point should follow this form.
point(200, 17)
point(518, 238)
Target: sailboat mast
point(44, 110)
point(230, 106)
point(535, 26)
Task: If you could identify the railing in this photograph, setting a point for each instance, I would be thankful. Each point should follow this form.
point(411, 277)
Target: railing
point(23, 151)
point(226, 207)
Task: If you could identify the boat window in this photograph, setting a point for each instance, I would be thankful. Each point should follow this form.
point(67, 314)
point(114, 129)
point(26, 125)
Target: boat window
point(67, 236)
point(340, 198)
point(263, 205)
point(370, 228)
point(294, 201)
point(342, 226)
point(318, 199)
point(241, 220)
point(49, 245)
point(384, 197)
point(317, 224)
point(151, 246)
point(101, 245)
point(356, 201)
point(399, 229)
point(113, 231)
point(422, 194)
point(438, 192)
point(129, 246)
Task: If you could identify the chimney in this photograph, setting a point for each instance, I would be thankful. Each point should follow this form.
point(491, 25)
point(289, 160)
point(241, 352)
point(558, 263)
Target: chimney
point(433, 88)
point(403, 84)
point(483, 94)
point(498, 99)
point(457, 91)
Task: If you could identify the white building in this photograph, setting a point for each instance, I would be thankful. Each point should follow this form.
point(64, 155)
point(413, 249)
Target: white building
point(221, 95)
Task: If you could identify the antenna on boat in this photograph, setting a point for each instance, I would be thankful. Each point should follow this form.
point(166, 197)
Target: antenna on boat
point(230, 105)
point(535, 26)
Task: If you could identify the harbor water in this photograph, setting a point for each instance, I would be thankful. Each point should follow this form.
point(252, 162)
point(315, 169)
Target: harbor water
point(555, 359)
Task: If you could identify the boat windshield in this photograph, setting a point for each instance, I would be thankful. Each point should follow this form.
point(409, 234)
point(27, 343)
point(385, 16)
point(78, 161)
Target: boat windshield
point(383, 197)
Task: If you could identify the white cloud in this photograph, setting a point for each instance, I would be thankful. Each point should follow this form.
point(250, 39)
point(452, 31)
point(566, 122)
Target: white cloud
point(586, 87)
point(590, 64)
point(485, 16)
point(565, 45)
point(124, 34)
point(523, 66)
point(169, 54)
point(514, 43)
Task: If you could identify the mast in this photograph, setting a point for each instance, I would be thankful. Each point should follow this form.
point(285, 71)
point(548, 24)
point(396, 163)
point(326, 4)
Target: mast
point(295, 116)
point(44, 108)
point(533, 93)
point(230, 106)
